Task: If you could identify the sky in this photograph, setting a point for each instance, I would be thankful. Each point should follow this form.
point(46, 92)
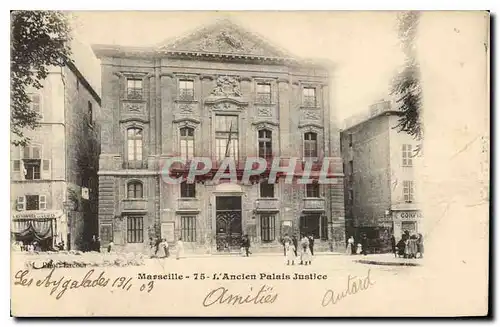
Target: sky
point(363, 45)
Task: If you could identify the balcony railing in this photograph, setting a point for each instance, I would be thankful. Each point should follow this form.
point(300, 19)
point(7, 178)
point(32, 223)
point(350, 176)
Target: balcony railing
point(186, 94)
point(134, 93)
point(134, 205)
point(309, 101)
point(135, 164)
point(263, 98)
point(267, 204)
point(188, 204)
point(314, 204)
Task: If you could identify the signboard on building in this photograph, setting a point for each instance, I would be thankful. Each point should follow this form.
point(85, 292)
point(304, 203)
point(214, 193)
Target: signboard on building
point(38, 215)
point(408, 215)
point(168, 231)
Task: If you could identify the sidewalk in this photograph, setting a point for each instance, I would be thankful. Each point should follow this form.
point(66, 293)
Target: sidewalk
point(386, 259)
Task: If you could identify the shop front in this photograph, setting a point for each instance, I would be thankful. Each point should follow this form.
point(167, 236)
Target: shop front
point(45, 228)
point(407, 220)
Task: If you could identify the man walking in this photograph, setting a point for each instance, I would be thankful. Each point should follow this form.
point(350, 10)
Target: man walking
point(311, 244)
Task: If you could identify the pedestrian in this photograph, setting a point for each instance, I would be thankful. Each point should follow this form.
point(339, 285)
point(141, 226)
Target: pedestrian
point(286, 239)
point(98, 244)
point(364, 245)
point(350, 246)
point(246, 244)
point(420, 245)
point(311, 244)
point(157, 246)
point(412, 247)
point(164, 246)
point(393, 245)
point(295, 243)
point(289, 252)
point(179, 248)
point(305, 254)
point(359, 248)
point(110, 246)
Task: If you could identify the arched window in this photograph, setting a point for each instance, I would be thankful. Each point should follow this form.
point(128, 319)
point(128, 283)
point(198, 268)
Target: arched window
point(310, 145)
point(134, 190)
point(187, 143)
point(265, 143)
point(134, 147)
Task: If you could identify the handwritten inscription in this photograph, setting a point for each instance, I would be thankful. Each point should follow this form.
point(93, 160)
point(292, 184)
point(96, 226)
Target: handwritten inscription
point(58, 286)
point(222, 295)
point(354, 285)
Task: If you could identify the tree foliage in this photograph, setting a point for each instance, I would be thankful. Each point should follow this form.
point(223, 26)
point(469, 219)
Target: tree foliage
point(39, 39)
point(406, 85)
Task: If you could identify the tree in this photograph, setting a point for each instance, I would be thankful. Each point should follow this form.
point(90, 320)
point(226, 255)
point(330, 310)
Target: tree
point(39, 39)
point(406, 85)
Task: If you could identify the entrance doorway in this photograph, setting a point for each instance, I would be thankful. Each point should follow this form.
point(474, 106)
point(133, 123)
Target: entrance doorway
point(228, 223)
point(314, 224)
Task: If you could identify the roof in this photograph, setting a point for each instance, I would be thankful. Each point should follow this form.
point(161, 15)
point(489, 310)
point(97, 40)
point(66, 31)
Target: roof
point(221, 40)
point(380, 108)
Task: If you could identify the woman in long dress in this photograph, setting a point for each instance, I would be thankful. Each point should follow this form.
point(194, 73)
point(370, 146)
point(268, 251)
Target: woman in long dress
point(179, 248)
point(289, 252)
point(305, 251)
point(350, 246)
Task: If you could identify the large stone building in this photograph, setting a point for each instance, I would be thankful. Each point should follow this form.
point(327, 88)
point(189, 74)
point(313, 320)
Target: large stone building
point(218, 92)
point(379, 163)
point(54, 179)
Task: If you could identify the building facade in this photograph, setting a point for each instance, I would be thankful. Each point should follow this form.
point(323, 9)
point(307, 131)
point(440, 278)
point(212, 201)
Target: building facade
point(216, 93)
point(54, 178)
point(379, 165)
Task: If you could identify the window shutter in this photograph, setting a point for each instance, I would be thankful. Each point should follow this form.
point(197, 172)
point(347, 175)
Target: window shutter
point(46, 171)
point(20, 203)
point(35, 102)
point(42, 202)
point(16, 165)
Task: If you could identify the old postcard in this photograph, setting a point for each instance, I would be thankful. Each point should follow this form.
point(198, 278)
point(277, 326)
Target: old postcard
point(249, 163)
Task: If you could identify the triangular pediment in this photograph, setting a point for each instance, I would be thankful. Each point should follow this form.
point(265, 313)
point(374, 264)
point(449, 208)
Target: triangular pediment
point(224, 37)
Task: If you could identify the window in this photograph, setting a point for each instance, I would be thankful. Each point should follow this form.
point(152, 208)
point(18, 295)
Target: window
point(186, 90)
point(42, 202)
point(226, 136)
point(16, 165)
point(266, 190)
point(135, 230)
point(312, 190)
point(309, 97)
point(265, 144)
point(134, 147)
point(134, 89)
point(263, 93)
point(188, 190)
point(350, 139)
point(310, 145)
point(90, 114)
point(134, 190)
point(187, 143)
point(407, 155)
point(32, 202)
point(20, 203)
point(188, 228)
point(267, 228)
point(31, 152)
point(351, 167)
point(32, 169)
point(408, 191)
point(35, 103)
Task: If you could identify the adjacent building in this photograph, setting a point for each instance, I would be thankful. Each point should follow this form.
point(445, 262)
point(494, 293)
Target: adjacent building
point(218, 92)
point(379, 162)
point(54, 179)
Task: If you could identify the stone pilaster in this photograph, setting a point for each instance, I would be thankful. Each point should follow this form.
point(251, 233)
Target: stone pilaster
point(284, 116)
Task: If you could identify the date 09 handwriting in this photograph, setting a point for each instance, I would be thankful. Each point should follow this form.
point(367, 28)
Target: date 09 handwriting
point(58, 286)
